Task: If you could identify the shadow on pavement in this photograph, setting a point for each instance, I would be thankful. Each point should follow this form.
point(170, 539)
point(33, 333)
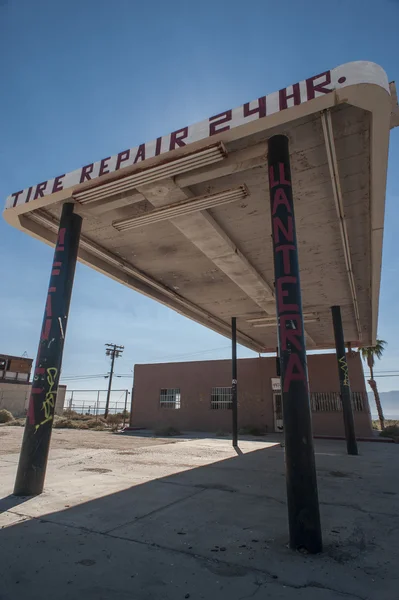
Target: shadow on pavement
point(214, 531)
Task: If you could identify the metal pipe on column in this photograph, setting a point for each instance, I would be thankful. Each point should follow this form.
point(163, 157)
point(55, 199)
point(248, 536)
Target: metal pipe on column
point(234, 380)
point(343, 374)
point(97, 403)
point(36, 441)
point(302, 496)
point(125, 409)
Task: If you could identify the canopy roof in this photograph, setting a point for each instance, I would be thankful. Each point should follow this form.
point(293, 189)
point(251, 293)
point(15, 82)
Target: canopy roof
point(185, 219)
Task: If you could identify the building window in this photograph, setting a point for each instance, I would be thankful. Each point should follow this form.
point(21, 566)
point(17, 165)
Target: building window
point(331, 401)
point(221, 398)
point(170, 398)
point(359, 401)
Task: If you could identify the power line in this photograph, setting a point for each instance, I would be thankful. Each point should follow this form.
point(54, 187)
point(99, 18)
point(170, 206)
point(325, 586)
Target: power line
point(156, 359)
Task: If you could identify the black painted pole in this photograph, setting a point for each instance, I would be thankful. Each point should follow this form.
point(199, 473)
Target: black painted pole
point(343, 374)
point(302, 496)
point(36, 441)
point(234, 380)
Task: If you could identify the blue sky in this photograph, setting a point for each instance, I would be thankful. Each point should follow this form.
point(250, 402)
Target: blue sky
point(85, 79)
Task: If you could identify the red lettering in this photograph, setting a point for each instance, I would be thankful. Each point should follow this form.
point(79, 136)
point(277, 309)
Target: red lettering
point(278, 226)
point(48, 306)
point(286, 257)
point(31, 410)
point(291, 375)
point(290, 335)
point(122, 157)
point(177, 137)
point(86, 171)
point(280, 198)
point(46, 330)
point(283, 180)
point(223, 117)
point(312, 87)
point(284, 97)
point(140, 153)
point(16, 195)
point(260, 109)
point(28, 195)
point(56, 271)
point(58, 185)
point(60, 241)
point(272, 181)
point(104, 166)
point(158, 146)
point(281, 294)
point(39, 193)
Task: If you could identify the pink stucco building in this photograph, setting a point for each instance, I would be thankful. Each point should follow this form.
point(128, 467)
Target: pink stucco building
point(195, 396)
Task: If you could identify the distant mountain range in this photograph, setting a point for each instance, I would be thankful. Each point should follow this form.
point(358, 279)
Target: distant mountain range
point(390, 404)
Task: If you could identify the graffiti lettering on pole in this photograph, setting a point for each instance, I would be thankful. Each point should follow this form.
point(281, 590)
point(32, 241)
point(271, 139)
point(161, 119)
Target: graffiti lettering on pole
point(47, 337)
point(290, 321)
point(49, 400)
point(344, 366)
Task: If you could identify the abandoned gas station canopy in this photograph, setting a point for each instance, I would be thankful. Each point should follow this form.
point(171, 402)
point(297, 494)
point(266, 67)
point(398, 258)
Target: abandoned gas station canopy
point(185, 219)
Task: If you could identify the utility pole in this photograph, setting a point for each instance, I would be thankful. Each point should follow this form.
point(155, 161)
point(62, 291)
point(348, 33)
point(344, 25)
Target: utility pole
point(114, 351)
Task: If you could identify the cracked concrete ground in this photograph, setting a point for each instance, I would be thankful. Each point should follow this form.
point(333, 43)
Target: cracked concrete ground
point(128, 517)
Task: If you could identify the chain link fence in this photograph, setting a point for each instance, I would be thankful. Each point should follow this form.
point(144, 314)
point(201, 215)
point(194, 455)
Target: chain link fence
point(93, 402)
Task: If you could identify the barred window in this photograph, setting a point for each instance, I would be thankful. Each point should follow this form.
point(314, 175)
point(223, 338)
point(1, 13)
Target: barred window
point(221, 398)
point(325, 401)
point(359, 401)
point(170, 398)
point(331, 401)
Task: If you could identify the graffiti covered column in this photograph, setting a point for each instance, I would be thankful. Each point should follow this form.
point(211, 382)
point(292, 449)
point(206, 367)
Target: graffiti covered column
point(303, 504)
point(35, 445)
point(346, 396)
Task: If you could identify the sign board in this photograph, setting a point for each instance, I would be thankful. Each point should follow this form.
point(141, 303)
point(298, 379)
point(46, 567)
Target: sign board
point(276, 384)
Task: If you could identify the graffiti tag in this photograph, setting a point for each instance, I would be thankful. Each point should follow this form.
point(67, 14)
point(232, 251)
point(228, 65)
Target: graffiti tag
point(49, 400)
point(344, 366)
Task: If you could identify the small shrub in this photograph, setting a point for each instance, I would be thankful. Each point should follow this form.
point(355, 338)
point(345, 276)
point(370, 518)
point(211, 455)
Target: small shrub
point(5, 416)
point(221, 433)
point(16, 423)
point(93, 424)
point(66, 424)
point(391, 431)
point(167, 432)
point(114, 421)
point(68, 413)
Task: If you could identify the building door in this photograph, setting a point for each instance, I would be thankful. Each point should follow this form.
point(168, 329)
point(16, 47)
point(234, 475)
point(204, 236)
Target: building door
point(278, 412)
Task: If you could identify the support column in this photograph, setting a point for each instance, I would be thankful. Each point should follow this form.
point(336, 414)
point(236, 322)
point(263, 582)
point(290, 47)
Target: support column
point(36, 442)
point(343, 374)
point(303, 504)
point(234, 380)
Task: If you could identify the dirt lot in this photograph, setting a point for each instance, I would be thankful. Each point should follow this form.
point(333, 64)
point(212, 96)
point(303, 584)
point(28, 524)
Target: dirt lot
point(72, 439)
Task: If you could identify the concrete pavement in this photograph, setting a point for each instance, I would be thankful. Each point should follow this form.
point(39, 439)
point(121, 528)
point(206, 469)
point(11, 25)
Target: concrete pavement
point(194, 519)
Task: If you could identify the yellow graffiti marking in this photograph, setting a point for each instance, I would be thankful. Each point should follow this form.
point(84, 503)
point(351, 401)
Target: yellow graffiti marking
point(49, 401)
point(344, 367)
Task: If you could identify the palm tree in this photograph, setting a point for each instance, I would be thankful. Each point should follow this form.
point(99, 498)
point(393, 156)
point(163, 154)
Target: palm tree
point(369, 354)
